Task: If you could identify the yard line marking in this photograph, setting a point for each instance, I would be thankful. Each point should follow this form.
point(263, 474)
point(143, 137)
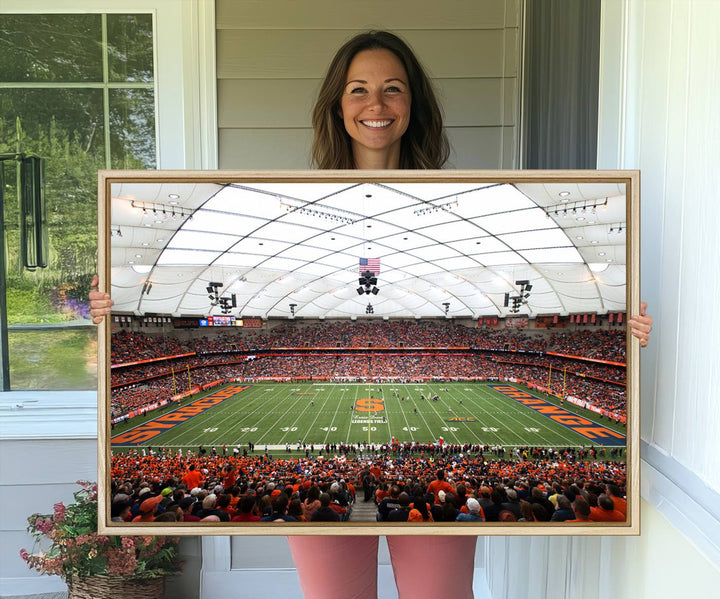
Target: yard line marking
point(332, 421)
point(400, 403)
point(197, 426)
point(347, 439)
point(492, 397)
point(257, 403)
point(430, 402)
point(297, 420)
point(278, 421)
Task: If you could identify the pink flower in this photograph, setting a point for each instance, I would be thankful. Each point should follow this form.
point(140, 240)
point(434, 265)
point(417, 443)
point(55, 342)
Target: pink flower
point(59, 512)
point(121, 562)
point(25, 555)
point(43, 526)
point(53, 566)
point(128, 543)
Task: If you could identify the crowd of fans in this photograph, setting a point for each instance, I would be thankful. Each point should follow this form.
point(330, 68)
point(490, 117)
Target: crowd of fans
point(600, 344)
point(164, 486)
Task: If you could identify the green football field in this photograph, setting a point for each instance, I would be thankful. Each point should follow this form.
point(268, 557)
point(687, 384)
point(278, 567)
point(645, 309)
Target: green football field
point(278, 414)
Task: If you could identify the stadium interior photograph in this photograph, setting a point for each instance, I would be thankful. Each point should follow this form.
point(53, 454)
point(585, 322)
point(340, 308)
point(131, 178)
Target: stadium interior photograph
point(325, 336)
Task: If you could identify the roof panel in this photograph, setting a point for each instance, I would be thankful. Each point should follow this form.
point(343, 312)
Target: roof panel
point(461, 243)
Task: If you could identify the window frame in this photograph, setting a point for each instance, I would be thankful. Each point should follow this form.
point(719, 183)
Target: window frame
point(185, 128)
point(185, 106)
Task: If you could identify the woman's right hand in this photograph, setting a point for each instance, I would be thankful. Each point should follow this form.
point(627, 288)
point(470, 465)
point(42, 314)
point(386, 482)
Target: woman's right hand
point(100, 302)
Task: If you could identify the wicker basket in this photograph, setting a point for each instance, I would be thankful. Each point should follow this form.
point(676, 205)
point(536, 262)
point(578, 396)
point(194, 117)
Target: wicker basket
point(112, 587)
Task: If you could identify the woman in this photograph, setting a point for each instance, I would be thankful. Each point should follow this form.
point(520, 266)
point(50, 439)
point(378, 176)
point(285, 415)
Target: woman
point(377, 110)
point(420, 506)
point(312, 502)
point(363, 118)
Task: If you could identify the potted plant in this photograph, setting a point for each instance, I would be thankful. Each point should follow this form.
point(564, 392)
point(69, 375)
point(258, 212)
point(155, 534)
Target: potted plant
point(96, 566)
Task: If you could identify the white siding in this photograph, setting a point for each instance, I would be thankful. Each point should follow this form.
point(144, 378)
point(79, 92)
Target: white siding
point(660, 80)
point(672, 133)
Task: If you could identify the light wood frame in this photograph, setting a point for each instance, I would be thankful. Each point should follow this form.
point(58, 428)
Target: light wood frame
point(631, 179)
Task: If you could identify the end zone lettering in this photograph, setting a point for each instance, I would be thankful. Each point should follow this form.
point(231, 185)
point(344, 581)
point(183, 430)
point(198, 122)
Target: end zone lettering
point(587, 428)
point(149, 430)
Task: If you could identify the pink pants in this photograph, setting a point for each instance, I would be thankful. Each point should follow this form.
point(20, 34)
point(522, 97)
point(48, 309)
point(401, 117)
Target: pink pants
point(346, 566)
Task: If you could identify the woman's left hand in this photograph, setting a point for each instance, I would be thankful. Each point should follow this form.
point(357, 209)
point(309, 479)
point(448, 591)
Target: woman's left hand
point(641, 325)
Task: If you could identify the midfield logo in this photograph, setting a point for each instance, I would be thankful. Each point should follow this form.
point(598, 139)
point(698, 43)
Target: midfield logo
point(370, 405)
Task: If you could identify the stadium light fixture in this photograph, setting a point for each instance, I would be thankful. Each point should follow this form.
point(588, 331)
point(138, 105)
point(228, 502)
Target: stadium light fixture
point(574, 207)
point(368, 283)
point(227, 304)
point(213, 294)
point(514, 302)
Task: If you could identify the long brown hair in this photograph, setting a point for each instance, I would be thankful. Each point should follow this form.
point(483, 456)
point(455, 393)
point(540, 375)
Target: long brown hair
point(424, 144)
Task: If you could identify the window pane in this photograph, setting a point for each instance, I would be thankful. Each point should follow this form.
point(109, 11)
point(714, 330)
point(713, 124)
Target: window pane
point(50, 118)
point(37, 48)
point(54, 359)
point(132, 128)
point(130, 47)
point(66, 127)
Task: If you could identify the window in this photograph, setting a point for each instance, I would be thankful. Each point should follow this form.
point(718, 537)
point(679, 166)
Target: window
point(78, 90)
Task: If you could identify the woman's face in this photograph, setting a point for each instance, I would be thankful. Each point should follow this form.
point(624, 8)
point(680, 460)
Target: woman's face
point(375, 108)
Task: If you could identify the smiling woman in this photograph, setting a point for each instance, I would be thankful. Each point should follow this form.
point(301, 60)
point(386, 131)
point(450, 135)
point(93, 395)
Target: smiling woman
point(375, 108)
point(388, 80)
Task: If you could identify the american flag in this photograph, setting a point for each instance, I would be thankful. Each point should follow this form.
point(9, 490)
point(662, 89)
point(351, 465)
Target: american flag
point(369, 265)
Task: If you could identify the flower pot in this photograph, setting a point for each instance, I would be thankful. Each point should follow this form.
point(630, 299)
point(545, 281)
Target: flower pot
point(111, 587)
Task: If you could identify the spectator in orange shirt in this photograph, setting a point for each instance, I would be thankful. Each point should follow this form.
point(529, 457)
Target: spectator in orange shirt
point(440, 484)
point(606, 512)
point(581, 509)
point(229, 476)
point(193, 478)
point(618, 500)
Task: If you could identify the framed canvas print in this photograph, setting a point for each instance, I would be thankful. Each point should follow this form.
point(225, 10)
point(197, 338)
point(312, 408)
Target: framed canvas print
point(366, 352)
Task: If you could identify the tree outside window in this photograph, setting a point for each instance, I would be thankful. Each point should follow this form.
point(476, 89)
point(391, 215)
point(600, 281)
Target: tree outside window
point(77, 90)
